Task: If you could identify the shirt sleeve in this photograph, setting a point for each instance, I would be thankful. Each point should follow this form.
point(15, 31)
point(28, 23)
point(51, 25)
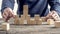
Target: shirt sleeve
point(7, 3)
point(55, 5)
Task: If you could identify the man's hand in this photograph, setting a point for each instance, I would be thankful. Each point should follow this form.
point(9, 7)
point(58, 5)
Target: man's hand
point(54, 15)
point(7, 14)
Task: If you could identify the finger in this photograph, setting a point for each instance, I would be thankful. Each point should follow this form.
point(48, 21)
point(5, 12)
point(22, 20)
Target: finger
point(6, 13)
point(55, 14)
point(49, 15)
point(7, 19)
point(10, 13)
point(4, 16)
point(55, 17)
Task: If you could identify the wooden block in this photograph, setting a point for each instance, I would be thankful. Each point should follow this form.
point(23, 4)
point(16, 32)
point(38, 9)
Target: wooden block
point(36, 17)
point(32, 22)
point(22, 17)
point(16, 16)
point(43, 19)
point(28, 18)
point(21, 21)
point(25, 10)
point(50, 22)
point(25, 21)
point(16, 20)
point(39, 22)
point(5, 26)
point(57, 23)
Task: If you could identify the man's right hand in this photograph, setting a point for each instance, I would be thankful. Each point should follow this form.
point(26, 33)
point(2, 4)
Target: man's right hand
point(7, 14)
point(54, 15)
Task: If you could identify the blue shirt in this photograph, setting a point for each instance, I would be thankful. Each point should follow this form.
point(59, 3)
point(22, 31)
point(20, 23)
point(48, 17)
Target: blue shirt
point(35, 6)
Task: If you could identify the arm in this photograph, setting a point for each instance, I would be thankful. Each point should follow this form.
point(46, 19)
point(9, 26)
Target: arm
point(7, 9)
point(55, 9)
point(55, 5)
point(7, 3)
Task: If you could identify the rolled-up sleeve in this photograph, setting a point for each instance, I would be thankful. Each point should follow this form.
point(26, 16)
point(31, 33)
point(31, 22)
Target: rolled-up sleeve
point(55, 5)
point(7, 3)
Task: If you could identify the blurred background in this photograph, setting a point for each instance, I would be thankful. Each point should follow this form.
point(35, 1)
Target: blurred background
point(15, 7)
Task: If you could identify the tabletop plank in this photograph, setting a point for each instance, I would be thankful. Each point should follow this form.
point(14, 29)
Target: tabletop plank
point(31, 29)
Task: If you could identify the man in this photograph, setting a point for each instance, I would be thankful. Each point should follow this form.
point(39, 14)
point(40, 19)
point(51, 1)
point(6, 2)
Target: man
point(35, 7)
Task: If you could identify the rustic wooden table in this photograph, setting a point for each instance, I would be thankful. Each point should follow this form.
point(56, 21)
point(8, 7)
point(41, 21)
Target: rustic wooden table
point(31, 29)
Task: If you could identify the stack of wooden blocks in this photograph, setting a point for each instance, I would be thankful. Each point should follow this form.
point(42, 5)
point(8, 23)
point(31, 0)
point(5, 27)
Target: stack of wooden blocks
point(26, 19)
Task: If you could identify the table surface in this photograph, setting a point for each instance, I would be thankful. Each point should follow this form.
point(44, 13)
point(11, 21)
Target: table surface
point(31, 29)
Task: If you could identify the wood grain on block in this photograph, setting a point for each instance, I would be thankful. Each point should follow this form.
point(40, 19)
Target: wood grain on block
point(36, 17)
point(28, 17)
point(22, 19)
point(25, 10)
point(16, 20)
point(28, 21)
point(5, 26)
point(39, 22)
point(50, 22)
point(32, 22)
point(57, 23)
point(43, 19)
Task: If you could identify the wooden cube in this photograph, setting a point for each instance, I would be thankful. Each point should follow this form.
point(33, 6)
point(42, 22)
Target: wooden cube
point(25, 10)
point(37, 17)
point(50, 22)
point(16, 20)
point(28, 17)
point(32, 22)
point(39, 22)
point(22, 17)
point(57, 23)
point(21, 21)
point(28, 20)
point(25, 21)
point(5, 26)
point(43, 19)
